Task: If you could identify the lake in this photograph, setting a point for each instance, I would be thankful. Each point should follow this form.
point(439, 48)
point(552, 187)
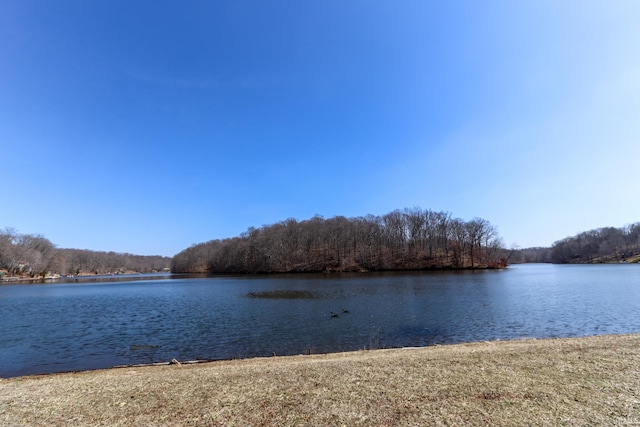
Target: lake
point(60, 327)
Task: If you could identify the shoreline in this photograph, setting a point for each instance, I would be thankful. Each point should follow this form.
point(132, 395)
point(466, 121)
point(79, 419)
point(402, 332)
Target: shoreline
point(587, 380)
point(61, 278)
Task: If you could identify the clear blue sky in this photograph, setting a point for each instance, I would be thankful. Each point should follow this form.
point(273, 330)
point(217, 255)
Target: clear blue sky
point(147, 126)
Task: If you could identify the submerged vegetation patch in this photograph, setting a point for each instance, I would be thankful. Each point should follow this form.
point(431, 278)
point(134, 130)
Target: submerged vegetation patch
point(138, 347)
point(285, 294)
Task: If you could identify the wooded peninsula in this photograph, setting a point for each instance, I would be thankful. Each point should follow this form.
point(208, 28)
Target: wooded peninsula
point(409, 239)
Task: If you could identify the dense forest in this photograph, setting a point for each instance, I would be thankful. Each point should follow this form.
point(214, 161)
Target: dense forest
point(35, 256)
point(411, 239)
point(607, 244)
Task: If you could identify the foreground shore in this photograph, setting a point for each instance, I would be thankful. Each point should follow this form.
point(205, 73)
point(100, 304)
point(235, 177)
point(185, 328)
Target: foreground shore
point(578, 381)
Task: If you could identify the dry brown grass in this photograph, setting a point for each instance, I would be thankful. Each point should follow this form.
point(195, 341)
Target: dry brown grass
point(584, 381)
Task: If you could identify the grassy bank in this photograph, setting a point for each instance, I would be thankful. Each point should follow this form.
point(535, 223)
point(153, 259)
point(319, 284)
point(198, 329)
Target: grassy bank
point(583, 381)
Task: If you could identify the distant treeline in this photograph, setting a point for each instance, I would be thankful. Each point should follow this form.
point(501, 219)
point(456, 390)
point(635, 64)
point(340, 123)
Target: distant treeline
point(531, 255)
point(606, 244)
point(411, 239)
point(35, 256)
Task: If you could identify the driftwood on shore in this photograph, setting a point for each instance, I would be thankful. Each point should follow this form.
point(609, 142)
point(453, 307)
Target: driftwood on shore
point(171, 362)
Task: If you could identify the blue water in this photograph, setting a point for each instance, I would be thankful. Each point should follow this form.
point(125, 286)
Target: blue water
point(76, 326)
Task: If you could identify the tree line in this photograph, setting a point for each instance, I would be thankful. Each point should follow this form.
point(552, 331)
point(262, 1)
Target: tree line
point(531, 255)
point(409, 239)
point(35, 256)
point(606, 244)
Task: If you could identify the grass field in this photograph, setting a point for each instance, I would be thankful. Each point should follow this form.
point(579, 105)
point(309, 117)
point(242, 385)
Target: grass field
point(578, 381)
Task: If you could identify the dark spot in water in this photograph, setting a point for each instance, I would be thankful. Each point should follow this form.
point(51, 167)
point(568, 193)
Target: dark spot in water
point(285, 294)
point(138, 347)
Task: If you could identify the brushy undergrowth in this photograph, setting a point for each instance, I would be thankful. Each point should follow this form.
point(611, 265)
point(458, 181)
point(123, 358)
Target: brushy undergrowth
point(579, 381)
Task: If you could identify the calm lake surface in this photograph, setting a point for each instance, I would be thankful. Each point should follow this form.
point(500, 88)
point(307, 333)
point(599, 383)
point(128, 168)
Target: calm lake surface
point(88, 325)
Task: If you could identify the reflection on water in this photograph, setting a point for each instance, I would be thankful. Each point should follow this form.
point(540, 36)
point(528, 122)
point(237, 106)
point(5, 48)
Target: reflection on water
point(75, 326)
